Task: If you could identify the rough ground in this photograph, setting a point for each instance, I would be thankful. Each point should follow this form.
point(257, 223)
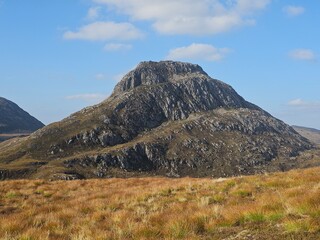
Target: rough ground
point(267, 206)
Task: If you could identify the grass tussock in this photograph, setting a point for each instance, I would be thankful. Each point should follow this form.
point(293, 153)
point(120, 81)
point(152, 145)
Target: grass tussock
point(273, 206)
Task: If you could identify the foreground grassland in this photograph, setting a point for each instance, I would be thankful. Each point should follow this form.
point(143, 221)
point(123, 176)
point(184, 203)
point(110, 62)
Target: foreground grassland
point(272, 206)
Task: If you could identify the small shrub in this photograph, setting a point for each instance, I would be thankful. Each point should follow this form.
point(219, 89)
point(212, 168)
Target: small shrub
point(179, 230)
point(243, 193)
point(47, 194)
point(166, 192)
point(228, 186)
point(217, 199)
point(275, 217)
point(148, 233)
point(12, 195)
point(255, 217)
point(39, 192)
point(198, 224)
point(294, 226)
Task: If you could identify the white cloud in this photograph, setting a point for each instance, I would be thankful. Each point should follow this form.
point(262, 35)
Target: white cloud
point(105, 31)
point(198, 51)
point(87, 97)
point(303, 54)
point(201, 17)
point(300, 103)
point(293, 11)
point(296, 102)
point(93, 13)
point(110, 47)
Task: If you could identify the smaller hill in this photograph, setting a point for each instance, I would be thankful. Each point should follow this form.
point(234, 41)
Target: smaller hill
point(310, 133)
point(14, 120)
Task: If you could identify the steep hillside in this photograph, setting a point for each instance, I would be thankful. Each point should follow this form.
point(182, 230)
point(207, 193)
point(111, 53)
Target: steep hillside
point(15, 120)
point(167, 118)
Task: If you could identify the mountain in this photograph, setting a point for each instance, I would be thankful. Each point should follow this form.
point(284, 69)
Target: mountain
point(310, 133)
point(163, 118)
point(15, 121)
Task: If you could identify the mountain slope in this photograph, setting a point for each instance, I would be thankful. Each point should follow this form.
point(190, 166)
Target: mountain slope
point(167, 118)
point(13, 119)
point(310, 133)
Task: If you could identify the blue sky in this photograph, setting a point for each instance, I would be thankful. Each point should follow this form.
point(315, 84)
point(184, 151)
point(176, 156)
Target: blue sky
point(57, 57)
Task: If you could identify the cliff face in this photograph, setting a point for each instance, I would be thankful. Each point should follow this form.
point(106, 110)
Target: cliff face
point(167, 118)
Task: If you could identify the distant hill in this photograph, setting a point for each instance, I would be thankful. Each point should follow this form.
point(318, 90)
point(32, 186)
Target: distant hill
point(14, 120)
point(163, 118)
point(310, 133)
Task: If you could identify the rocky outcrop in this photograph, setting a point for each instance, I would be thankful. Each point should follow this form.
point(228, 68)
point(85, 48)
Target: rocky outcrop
point(152, 73)
point(220, 143)
point(165, 118)
point(15, 173)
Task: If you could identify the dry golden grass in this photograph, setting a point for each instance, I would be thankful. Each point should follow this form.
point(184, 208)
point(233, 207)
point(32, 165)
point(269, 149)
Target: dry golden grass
point(272, 206)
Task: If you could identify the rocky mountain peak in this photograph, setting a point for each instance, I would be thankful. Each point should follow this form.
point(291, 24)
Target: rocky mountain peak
point(155, 92)
point(164, 118)
point(150, 73)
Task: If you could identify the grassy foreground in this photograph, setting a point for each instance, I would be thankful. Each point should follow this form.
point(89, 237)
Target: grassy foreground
point(272, 206)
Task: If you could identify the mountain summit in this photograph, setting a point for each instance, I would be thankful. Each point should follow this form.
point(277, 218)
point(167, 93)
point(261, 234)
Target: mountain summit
point(151, 73)
point(164, 118)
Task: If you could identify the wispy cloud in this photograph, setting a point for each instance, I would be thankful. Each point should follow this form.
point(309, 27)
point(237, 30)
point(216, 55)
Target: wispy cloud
point(111, 47)
point(303, 54)
point(93, 13)
point(91, 97)
point(297, 102)
point(198, 51)
point(293, 11)
point(300, 103)
point(105, 31)
point(201, 17)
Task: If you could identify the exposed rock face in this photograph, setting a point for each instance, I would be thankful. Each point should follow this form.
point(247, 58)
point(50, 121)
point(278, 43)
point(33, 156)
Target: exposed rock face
point(15, 120)
point(151, 73)
point(167, 118)
point(218, 143)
